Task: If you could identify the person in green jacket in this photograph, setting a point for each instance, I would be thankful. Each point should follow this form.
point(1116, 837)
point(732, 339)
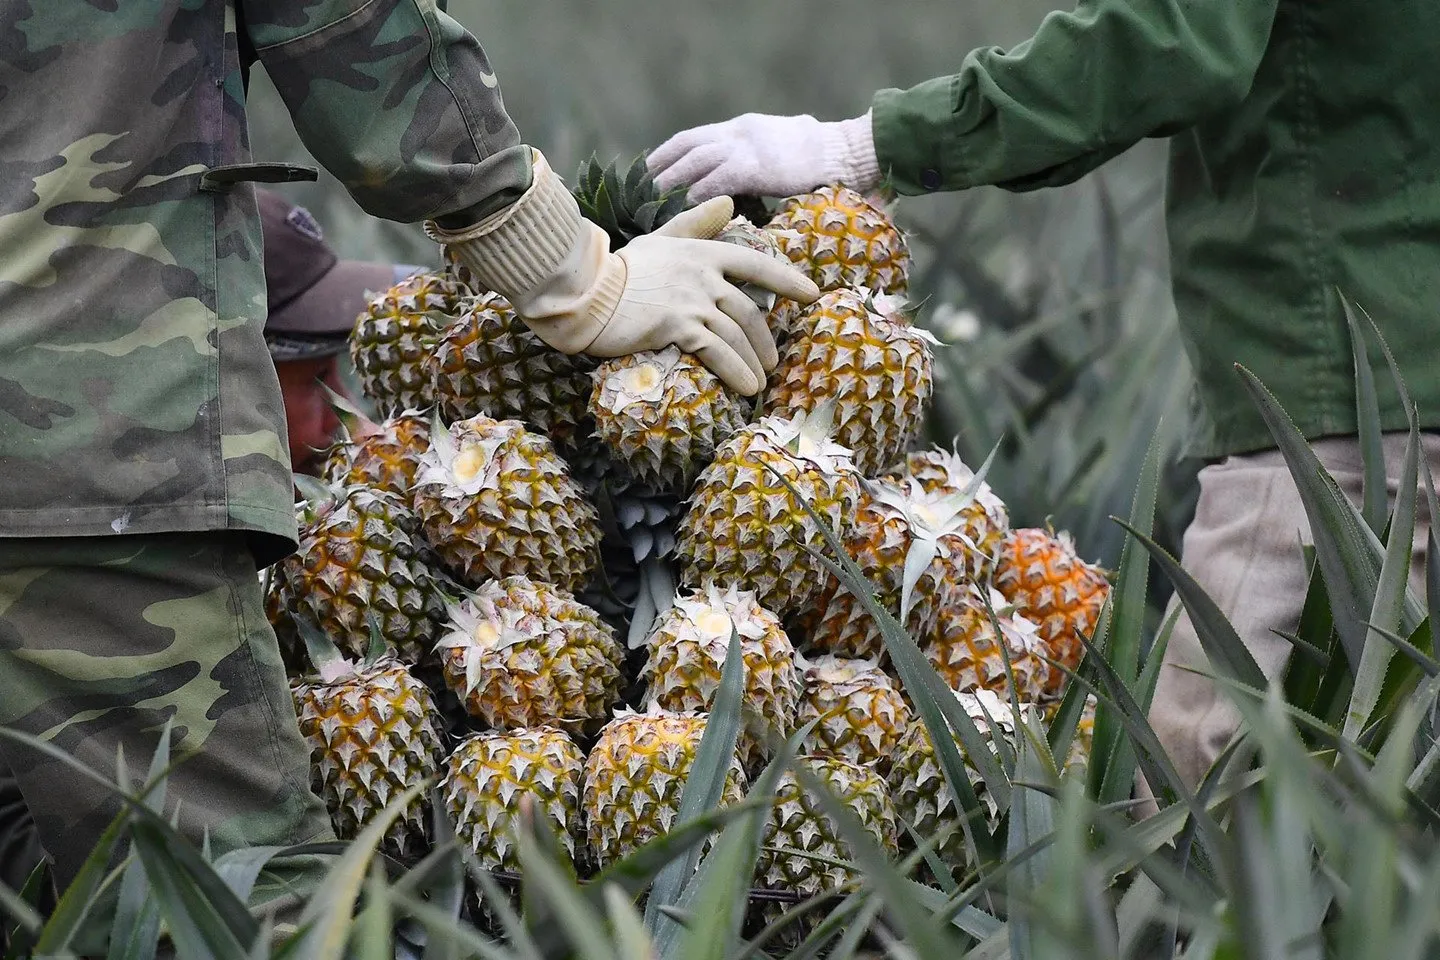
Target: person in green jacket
point(1304, 159)
point(144, 477)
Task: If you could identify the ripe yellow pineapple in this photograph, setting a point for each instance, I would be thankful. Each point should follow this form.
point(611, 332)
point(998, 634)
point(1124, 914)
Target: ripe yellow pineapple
point(1047, 582)
point(922, 797)
point(489, 774)
point(862, 716)
point(634, 778)
point(360, 556)
point(897, 531)
point(875, 367)
point(986, 519)
point(373, 731)
point(489, 362)
point(397, 331)
point(965, 649)
point(497, 501)
point(798, 822)
point(382, 455)
point(842, 240)
point(663, 415)
point(687, 654)
point(745, 528)
point(520, 654)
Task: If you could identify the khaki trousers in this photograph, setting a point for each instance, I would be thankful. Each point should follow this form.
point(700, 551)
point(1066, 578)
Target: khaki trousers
point(1244, 549)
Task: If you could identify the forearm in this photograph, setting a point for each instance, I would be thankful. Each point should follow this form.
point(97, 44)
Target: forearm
point(1088, 85)
point(398, 101)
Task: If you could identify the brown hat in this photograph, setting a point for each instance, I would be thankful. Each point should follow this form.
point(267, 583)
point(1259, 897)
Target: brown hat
point(313, 296)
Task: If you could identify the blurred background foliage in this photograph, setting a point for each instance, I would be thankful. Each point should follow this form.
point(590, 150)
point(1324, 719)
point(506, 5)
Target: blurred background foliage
point(1054, 306)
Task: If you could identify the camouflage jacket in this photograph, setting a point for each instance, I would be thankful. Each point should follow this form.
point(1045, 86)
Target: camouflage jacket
point(136, 393)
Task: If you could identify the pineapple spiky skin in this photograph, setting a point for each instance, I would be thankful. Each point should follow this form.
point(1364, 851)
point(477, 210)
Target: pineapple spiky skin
point(497, 501)
point(987, 520)
point(663, 415)
point(687, 652)
point(488, 775)
point(742, 232)
point(922, 797)
point(891, 524)
point(634, 777)
point(387, 459)
point(373, 731)
point(361, 556)
point(1049, 585)
point(1083, 741)
point(489, 362)
point(797, 821)
point(744, 526)
point(278, 611)
point(397, 331)
point(842, 240)
point(861, 715)
point(965, 648)
point(877, 369)
point(521, 654)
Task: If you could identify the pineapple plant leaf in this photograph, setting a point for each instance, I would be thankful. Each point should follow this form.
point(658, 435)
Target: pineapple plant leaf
point(1367, 422)
point(705, 785)
point(1349, 552)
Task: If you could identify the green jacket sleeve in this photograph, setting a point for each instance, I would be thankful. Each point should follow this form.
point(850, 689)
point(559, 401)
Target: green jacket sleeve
point(398, 101)
point(1087, 86)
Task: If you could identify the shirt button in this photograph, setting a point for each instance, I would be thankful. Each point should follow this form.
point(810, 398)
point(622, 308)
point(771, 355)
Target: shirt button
point(930, 179)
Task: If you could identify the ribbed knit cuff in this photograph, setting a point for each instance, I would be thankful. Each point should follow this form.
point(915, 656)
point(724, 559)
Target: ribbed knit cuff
point(516, 250)
point(849, 150)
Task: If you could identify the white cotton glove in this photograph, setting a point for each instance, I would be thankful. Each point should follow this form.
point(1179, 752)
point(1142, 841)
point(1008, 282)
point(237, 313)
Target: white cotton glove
point(760, 155)
point(674, 286)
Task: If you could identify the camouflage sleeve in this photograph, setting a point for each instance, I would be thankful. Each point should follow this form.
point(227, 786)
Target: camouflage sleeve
point(398, 101)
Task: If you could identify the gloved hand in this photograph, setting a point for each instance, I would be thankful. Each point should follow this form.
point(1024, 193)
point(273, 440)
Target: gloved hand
point(760, 155)
point(675, 285)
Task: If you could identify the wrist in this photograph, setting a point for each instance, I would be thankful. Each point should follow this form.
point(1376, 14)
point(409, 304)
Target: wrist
point(849, 150)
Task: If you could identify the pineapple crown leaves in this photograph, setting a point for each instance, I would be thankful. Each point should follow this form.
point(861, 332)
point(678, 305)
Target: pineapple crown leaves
point(353, 421)
point(318, 496)
point(845, 674)
point(808, 436)
point(627, 205)
point(712, 613)
point(925, 547)
point(644, 379)
point(470, 465)
point(330, 664)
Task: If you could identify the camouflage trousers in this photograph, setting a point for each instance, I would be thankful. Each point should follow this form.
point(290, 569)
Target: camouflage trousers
point(102, 640)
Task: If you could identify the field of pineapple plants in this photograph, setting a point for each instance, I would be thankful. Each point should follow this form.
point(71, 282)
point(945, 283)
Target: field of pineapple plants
point(599, 659)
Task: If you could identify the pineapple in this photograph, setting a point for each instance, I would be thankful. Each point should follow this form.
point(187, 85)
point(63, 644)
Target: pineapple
point(987, 521)
point(373, 731)
point(897, 532)
point(745, 528)
point(964, 647)
point(798, 822)
point(489, 362)
point(875, 367)
point(361, 556)
point(397, 331)
point(842, 240)
point(496, 501)
point(489, 774)
point(862, 716)
point(663, 414)
point(385, 456)
point(922, 797)
point(634, 778)
point(1047, 582)
point(687, 654)
point(520, 654)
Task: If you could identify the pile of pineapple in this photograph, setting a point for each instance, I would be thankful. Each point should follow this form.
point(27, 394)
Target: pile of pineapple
point(522, 575)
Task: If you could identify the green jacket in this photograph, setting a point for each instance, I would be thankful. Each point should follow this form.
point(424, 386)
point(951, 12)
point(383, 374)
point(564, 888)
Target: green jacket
point(136, 392)
point(1305, 158)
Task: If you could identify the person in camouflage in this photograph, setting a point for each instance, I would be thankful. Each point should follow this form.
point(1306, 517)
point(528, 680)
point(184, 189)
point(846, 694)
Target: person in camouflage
point(143, 475)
